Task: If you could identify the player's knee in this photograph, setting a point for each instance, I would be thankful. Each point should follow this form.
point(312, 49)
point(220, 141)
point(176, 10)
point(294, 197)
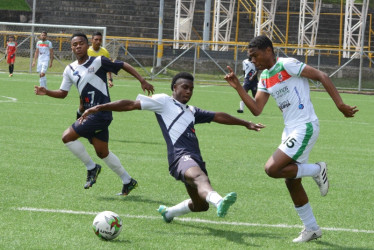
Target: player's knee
point(271, 171)
point(200, 207)
point(102, 154)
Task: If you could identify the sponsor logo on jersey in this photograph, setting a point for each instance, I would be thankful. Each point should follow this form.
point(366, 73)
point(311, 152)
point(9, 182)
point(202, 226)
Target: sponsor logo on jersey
point(91, 69)
point(284, 105)
point(186, 157)
point(281, 92)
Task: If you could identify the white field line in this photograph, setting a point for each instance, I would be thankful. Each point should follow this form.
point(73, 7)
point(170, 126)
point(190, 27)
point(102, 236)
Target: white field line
point(245, 224)
point(8, 99)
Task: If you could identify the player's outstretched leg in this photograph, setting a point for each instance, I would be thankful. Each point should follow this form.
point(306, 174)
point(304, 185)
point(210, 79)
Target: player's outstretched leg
point(321, 179)
point(169, 213)
point(163, 210)
point(92, 176)
point(225, 204)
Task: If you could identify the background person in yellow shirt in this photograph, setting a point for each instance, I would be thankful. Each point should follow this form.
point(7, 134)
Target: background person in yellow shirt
point(97, 50)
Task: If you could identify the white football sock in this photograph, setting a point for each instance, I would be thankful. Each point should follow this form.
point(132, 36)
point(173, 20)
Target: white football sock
point(307, 217)
point(241, 105)
point(213, 198)
point(43, 81)
point(115, 165)
point(304, 170)
point(77, 148)
point(178, 210)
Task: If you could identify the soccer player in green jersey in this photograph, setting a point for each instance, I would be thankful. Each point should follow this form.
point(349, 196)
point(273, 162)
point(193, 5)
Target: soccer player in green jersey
point(286, 79)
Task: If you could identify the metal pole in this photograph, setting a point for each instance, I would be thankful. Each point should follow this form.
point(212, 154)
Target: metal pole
point(206, 29)
point(364, 10)
point(32, 34)
point(160, 47)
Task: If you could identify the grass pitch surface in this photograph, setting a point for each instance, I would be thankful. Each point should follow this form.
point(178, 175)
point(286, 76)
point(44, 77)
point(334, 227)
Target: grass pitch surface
point(44, 206)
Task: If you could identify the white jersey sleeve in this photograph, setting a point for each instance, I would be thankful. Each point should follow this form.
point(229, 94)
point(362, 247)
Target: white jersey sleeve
point(156, 103)
point(66, 80)
point(293, 66)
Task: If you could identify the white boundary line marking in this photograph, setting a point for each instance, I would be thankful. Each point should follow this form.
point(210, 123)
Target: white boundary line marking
point(10, 99)
point(31, 209)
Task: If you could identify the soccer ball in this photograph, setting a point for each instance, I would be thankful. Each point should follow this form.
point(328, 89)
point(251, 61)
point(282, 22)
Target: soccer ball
point(107, 225)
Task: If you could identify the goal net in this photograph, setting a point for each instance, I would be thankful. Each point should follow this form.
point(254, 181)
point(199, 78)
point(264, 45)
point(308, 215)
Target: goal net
point(26, 36)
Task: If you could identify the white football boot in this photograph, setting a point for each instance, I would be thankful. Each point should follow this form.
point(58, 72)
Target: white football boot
point(321, 179)
point(308, 235)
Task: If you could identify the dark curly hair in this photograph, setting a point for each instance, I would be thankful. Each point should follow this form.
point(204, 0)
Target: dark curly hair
point(79, 34)
point(183, 75)
point(261, 42)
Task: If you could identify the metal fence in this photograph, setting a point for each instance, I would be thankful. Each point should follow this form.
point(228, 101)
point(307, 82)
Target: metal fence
point(206, 64)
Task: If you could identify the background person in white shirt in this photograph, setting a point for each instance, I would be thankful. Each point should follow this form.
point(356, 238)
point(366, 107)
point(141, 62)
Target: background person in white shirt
point(44, 55)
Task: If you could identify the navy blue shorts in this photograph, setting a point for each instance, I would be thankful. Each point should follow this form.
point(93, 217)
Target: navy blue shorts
point(93, 127)
point(250, 85)
point(184, 163)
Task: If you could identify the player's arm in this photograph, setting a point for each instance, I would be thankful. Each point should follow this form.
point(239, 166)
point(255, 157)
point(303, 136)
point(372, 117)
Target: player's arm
point(52, 93)
point(110, 79)
point(51, 57)
point(317, 75)
point(119, 106)
point(254, 75)
point(224, 118)
point(144, 84)
point(35, 57)
point(254, 105)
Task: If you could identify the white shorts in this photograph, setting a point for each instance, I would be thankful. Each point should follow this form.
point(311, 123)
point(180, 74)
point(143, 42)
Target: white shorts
point(297, 142)
point(42, 66)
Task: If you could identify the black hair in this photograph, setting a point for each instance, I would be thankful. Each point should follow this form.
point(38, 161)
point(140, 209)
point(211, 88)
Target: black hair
point(45, 32)
point(97, 33)
point(261, 42)
point(11, 36)
point(79, 34)
point(183, 75)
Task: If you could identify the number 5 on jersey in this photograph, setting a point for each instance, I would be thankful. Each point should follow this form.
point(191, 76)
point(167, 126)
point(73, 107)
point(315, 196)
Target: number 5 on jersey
point(290, 142)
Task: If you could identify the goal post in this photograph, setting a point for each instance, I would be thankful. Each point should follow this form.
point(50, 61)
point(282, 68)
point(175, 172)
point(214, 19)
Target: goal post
point(27, 34)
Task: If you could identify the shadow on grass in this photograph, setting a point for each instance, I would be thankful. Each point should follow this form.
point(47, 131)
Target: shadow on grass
point(132, 198)
point(138, 142)
point(238, 238)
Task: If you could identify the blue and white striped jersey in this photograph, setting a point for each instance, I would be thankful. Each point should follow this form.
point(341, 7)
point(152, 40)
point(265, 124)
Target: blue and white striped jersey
point(177, 122)
point(90, 78)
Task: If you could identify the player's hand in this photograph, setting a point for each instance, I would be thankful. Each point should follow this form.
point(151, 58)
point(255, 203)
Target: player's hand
point(147, 86)
point(50, 65)
point(40, 90)
point(87, 112)
point(5, 56)
point(110, 83)
point(348, 111)
point(232, 79)
point(33, 64)
point(255, 126)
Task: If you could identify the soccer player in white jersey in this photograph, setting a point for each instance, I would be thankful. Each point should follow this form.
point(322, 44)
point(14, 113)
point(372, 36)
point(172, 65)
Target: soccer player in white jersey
point(44, 54)
point(96, 50)
point(89, 75)
point(250, 80)
point(286, 79)
point(177, 120)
